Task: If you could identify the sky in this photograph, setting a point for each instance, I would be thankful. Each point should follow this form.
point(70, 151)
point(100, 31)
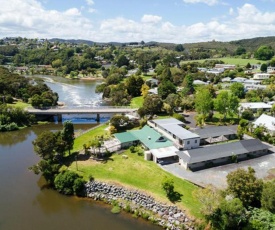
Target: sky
point(176, 21)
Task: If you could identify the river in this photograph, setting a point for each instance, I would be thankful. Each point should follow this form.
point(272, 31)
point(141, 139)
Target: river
point(25, 202)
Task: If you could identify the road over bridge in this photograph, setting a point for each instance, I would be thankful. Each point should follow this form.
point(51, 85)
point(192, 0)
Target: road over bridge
point(59, 111)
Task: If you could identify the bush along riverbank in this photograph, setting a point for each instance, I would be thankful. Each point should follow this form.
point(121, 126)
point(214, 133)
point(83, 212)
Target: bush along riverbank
point(141, 205)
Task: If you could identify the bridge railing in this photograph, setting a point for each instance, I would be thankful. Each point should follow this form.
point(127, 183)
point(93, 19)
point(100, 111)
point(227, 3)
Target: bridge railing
point(80, 108)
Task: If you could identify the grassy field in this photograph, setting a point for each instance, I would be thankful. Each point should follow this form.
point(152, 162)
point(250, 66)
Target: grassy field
point(20, 104)
point(135, 173)
point(231, 61)
point(85, 138)
point(137, 102)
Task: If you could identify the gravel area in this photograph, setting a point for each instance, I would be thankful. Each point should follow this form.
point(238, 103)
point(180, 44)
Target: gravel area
point(217, 175)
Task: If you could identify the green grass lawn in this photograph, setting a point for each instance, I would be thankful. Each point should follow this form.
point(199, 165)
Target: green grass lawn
point(85, 138)
point(231, 61)
point(134, 172)
point(137, 102)
point(20, 104)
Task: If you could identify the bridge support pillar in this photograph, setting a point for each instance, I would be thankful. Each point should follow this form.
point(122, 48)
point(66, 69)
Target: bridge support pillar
point(97, 117)
point(59, 117)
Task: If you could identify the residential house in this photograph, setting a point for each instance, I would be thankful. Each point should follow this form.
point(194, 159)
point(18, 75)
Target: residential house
point(268, 122)
point(173, 130)
point(254, 106)
point(261, 76)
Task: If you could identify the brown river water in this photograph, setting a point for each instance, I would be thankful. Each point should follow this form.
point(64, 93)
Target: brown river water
point(25, 202)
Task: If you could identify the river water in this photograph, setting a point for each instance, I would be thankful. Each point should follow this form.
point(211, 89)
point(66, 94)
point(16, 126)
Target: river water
point(25, 202)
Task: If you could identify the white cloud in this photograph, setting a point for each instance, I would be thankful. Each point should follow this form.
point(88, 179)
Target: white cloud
point(32, 20)
point(231, 11)
point(72, 12)
point(91, 10)
point(208, 2)
point(151, 19)
point(90, 2)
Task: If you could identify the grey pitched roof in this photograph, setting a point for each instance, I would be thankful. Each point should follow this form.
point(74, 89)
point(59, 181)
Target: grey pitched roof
point(174, 127)
point(214, 131)
point(222, 150)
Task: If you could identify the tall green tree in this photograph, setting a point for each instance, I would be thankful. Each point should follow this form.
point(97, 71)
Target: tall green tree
point(237, 89)
point(152, 104)
point(68, 135)
point(264, 53)
point(203, 102)
point(44, 145)
point(243, 184)
point(133, 85)
point(226, 104)
point(268, 196)
point(165, 88)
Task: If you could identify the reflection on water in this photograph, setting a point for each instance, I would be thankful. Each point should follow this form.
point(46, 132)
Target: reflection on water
point(26, 204)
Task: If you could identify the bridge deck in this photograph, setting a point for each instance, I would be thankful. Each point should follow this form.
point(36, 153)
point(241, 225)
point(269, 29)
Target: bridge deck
point(96, 110)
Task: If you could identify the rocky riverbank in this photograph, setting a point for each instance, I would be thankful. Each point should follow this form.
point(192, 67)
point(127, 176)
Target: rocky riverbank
point(167, 216)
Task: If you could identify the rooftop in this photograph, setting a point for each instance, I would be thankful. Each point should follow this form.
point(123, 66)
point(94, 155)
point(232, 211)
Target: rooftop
point(148, 136)
point(174, 126)
point(255, 105)
point(221, 150)
point(213, 131)
point(267, 121)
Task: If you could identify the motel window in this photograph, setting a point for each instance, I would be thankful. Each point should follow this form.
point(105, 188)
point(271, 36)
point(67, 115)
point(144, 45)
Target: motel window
point(188, 142)
point(196, 141)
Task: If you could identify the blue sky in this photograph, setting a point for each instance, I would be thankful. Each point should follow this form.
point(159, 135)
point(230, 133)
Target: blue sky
point(178, 21)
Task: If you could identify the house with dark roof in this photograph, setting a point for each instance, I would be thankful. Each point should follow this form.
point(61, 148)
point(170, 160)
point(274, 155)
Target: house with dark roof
point(214, 155)
point(215, 134)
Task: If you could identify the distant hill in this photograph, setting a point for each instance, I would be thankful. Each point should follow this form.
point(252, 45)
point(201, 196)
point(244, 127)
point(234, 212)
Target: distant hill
point(250, 45)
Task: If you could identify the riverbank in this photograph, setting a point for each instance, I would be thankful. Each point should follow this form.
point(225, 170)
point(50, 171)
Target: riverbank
point(134, 173)
point(140, 205)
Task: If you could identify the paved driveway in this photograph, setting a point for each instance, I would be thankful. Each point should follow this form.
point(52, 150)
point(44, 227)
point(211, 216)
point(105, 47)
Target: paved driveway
point(217, 175)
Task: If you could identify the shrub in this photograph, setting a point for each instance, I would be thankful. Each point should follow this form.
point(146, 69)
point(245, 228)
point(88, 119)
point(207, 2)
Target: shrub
point(132, 149)
point(68, 183)
point(179, 117)
point(115, 209)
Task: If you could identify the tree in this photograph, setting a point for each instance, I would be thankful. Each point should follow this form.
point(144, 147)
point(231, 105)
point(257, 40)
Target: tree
point(166, 74)
point(240, 50)
point(179, 48)
point(68, 135)
point(120, 122)
point(173, 100)
point(188, 84)
point(226, 104)
point(152, 104)
point(203, 102)
point(133, 85)
point(264, 53)
point(168, 186)
point(237, 89)
point(44, 145)
point(122, 60)
point(165, 88)
point(210, 199)
point(231, 214)
point(144, 90)
point(264, 67)
point(68, 183)
point(268, 196)
point(244, 185)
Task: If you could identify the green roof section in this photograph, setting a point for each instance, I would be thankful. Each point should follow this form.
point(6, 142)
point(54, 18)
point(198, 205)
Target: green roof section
point(147, 136)
point(125, 137)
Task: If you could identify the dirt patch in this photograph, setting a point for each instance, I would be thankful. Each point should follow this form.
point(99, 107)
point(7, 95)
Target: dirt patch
point(271, 174)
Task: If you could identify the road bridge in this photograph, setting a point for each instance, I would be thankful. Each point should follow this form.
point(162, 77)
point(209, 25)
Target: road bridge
point(59, 111)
